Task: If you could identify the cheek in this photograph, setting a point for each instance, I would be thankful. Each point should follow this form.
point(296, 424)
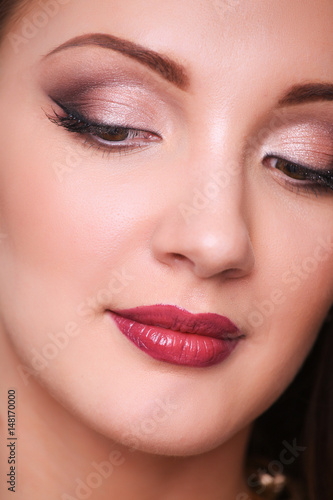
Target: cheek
point(294, 253)
point(65, 240)
point(290, 293)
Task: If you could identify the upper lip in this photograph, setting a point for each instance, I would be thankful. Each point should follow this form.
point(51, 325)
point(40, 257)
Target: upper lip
point(178, 319)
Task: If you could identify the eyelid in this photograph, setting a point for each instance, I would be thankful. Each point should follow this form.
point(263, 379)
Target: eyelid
point(97, 79)
point(134, 139)
point(318, 178)
point(308, 168)
point(306, 136)
point(94, 123)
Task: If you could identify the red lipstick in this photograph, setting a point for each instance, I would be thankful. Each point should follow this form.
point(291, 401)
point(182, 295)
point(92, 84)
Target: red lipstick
point(172, 334)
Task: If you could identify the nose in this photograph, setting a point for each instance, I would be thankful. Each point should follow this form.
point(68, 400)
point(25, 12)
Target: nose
point(213, 240)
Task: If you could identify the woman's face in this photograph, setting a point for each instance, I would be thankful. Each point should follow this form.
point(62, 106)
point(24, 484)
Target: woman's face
point(195, 206)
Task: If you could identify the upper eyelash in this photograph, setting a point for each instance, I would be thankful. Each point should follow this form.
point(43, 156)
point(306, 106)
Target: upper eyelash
point(321, 178)
point(73, 121)
point(324, 179)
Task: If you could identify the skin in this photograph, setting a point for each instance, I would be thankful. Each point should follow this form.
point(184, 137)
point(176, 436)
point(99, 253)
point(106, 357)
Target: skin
point(67, 233)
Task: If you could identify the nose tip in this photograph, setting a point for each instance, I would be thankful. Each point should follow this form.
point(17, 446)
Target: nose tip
point(209, 245)
point(228, 253)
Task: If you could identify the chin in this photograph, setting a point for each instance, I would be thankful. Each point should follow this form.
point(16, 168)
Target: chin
point(146, 436)
point(168, 445)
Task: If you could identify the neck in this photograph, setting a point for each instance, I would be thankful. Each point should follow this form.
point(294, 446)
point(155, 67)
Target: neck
point(59, 457)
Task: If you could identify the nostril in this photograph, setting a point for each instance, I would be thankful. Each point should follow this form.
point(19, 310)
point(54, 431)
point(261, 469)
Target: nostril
point(233, 273)
point(178, 256)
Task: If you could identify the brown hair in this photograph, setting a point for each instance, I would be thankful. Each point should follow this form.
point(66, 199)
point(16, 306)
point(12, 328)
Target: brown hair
point(303, 414)
point(10, 10)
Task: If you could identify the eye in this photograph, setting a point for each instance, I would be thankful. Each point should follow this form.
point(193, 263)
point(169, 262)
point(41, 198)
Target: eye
point(290, 169)
point(106, 137)
point(300, 176)
point(115, 134)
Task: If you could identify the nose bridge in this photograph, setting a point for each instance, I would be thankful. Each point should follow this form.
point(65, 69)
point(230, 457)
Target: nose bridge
point(213, 168)
point(214, 180)
point(213, 165)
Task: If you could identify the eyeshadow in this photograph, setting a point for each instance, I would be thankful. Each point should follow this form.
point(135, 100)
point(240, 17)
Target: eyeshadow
point(309, 142)
point(107, 105)
point(73, 72)
point(109, 88)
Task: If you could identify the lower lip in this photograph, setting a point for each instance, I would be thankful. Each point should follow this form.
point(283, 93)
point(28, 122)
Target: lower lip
point(178, 348)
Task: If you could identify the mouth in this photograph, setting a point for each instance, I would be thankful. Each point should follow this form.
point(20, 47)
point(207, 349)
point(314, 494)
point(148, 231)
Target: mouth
point(171, 334)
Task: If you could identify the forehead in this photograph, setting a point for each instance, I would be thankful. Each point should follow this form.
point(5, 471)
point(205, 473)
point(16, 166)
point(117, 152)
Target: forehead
point(229, 44)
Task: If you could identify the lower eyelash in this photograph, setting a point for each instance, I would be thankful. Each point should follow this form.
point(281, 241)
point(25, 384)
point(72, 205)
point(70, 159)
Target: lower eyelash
point(316, 187)
point(317, 190)
point(319, 185)
point(318, 182)
point(106, 151)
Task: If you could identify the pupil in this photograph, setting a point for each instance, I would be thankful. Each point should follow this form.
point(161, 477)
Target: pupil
point(293, 170)
point(116, 134)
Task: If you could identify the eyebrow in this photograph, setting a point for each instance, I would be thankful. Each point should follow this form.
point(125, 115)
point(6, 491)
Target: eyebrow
point(169, 69)
point(310, 92)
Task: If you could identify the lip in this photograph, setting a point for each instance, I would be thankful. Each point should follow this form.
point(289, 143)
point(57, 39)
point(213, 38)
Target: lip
point(172, 334)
